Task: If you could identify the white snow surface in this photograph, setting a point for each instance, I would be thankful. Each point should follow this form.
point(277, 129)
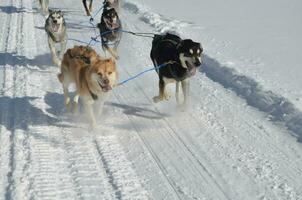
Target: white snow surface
point(240, 139)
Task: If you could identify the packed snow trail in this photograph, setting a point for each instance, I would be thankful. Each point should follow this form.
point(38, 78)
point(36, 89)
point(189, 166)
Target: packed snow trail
point(221, 148)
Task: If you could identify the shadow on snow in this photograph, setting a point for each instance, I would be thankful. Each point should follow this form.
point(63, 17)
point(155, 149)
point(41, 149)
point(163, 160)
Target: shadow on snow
point(279, 108)
point(14, 59)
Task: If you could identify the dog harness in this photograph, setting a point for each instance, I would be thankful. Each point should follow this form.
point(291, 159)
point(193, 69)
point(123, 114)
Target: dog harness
point(175, 41)
point(86, 60)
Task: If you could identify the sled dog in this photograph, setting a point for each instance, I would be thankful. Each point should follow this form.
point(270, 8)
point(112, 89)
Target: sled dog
point(55, 28)
point(93, 76)
point(183, 56)
point(110, 27)
point(107, 3)
point(112, 4)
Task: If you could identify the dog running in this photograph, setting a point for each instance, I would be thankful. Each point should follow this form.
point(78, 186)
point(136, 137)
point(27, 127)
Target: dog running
point(92, 75)
point(55, 28)
point(110, 27)
point(107, 3)
point(112, 4)
point(183, 56)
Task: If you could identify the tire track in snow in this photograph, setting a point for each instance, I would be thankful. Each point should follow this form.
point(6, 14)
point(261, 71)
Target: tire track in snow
point(88, 173)
point(119, 170)
point(4, 133)
point(12, 44)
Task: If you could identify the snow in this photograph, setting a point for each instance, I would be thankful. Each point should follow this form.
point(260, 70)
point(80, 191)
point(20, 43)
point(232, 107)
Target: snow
point(240, 138)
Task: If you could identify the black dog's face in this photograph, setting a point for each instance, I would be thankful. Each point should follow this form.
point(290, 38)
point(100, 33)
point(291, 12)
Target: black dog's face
point(111, 18)
point(190, 54)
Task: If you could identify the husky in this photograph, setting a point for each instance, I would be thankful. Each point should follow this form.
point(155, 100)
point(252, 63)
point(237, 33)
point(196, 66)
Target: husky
point(182, 57)
point(93, 76)
point(112, 4)
point(44, 5)
point(55, 28)
point(88, 6)
point(110, 27)
point(107, 3)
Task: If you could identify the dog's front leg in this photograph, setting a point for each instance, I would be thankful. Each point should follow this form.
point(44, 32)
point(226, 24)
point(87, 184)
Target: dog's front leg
point(63, 47)
point(90, 6)
point(161, 95)
point(185, 84)
point(53, 52)
point(177, 92)
point(86, 8)
point(113, 52)
point(66, 96)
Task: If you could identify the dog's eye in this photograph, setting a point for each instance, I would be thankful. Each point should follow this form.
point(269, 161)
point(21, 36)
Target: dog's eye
point(100, 74)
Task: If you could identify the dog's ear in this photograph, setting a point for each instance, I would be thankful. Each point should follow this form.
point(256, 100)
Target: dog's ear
point(50, 11)
point(61, 13)
point(111, 59)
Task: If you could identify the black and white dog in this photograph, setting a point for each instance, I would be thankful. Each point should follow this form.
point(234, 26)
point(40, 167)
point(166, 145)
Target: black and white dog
point(44, 5)
point(107, 3)
point(55, 28)
point(112, 4)
point(183, 56)
point(110, 27)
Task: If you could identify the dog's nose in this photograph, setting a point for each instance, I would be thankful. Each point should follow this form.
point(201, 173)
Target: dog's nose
point(106, 81)
point(55, 21)
point(197, 63)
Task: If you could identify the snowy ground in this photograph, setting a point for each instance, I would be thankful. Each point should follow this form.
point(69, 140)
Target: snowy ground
point(241, 138)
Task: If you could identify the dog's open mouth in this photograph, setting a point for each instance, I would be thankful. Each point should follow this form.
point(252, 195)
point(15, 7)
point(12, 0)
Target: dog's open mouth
point(191, 69)
point(112, 25)
point(105, 88)
point(55, 27)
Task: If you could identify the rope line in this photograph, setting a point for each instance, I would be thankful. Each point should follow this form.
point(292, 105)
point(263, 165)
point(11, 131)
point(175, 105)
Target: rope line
point(99, 10)
point(146, 35)
point(143, 72)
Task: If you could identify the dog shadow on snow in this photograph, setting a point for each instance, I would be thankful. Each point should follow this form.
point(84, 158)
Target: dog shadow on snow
point(138, 111)
point(20, 113)
point(15, 59)
point(11, 9)
point(57, 107)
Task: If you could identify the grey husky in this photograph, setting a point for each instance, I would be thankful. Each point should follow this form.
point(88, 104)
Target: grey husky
point(55, 28)
point(44, 5)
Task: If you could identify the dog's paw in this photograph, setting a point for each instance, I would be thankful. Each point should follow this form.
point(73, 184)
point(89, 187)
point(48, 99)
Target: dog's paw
point(157, 99)
point(182, 107)
point(92, 127)
point(75, 108)
point(167, 96)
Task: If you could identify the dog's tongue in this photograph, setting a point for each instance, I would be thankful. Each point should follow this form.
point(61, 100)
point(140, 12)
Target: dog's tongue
point(191, 69)
point(55, 27)
point(115, 25)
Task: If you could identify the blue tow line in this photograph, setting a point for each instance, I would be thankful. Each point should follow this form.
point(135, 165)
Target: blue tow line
point(99, 10)
point(143, 72)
